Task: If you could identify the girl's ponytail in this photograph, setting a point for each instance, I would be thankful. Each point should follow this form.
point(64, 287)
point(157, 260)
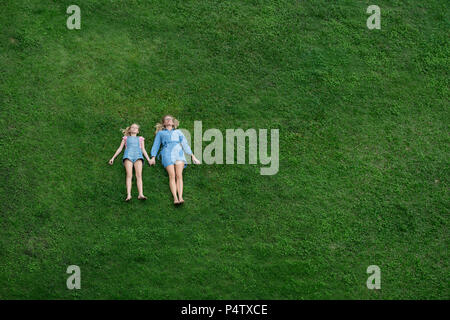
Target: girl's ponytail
point(126, 131)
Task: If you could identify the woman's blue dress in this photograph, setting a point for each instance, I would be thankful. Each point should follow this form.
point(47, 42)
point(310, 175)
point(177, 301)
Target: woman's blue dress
point(174, 145)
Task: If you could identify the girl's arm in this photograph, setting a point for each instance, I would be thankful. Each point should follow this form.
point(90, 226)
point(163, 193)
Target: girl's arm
point(119, 150)
point(155, 148)
point(187, 149)
point(144, 152)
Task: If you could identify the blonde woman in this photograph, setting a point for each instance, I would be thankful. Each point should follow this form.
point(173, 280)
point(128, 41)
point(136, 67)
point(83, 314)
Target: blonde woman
point(174, 144)
point(132, 157)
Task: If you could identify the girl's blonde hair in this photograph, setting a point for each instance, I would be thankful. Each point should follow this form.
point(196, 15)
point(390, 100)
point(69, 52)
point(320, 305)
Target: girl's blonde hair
point(126, 131)
point(160, 125)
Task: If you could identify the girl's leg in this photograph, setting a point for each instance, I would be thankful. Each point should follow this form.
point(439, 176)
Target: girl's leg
point(172, 184)
point(138, 173)
point(129, 168)
point(179, 166)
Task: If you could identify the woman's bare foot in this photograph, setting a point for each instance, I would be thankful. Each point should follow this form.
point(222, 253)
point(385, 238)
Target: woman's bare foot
point(128, 198)
point(142, 197)
point(181, 201)
point(175, 201)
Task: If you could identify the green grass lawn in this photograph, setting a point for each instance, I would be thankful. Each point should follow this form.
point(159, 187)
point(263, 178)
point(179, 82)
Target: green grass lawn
point(364, 159)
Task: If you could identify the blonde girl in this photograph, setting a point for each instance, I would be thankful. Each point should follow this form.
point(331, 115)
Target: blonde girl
point(133, 157)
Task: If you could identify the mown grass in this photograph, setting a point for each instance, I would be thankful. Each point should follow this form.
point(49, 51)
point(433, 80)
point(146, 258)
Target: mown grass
point(363, 118)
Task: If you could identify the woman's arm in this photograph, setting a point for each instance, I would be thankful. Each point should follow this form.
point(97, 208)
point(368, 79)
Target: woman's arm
point(119, 150)
point(187, 149)
point(144, 152)
point(184, 144)
point(155, 148)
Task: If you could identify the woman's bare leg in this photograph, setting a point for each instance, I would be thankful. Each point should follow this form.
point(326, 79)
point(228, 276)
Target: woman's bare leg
point(172, 184)
point(179, 166)
point(129, 169)
point(138, 173)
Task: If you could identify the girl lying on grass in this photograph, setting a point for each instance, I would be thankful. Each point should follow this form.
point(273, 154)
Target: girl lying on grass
point(133, 156)
point(173, 144)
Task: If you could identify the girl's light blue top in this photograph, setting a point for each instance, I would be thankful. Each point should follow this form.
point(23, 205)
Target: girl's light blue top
point(133, 150)
point(174, 144)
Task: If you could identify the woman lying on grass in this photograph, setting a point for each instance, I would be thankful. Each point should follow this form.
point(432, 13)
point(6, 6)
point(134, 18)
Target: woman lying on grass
point(133, 156)
point(173, 144)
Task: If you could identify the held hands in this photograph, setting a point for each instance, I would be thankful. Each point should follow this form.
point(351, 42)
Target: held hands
point(152, 161)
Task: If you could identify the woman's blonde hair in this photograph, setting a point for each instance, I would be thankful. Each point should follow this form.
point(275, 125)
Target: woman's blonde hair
point(160, 125)
point(126, 131)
